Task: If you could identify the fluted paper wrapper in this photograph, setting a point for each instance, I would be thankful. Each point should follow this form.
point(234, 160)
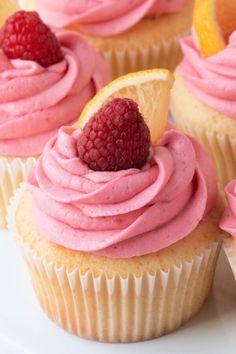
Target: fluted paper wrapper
point(222, 149)
point(12, 173)
point(166, 54)
point(119, 309)
point(230, 251)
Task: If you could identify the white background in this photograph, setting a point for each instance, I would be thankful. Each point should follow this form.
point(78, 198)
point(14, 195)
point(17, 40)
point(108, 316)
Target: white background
point(24, 329)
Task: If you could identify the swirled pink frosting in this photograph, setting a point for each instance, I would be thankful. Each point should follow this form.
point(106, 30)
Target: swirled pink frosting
point(228, 221)
point(212, 80)
point(126, 213)
point(36, 101)
point(103, 17)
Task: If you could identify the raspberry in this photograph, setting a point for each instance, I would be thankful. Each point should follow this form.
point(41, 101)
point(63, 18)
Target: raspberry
point(115, 138)
point(25, 36)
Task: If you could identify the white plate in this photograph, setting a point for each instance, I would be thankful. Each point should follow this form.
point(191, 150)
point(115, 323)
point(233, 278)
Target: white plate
point(24, 329)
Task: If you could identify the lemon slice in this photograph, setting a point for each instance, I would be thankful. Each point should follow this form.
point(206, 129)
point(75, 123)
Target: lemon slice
point(214, 21)
point(8, 8)
point(28, 5)
point(150, 89)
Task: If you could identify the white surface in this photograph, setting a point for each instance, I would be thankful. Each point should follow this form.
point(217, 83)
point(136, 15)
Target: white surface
point(24, 329)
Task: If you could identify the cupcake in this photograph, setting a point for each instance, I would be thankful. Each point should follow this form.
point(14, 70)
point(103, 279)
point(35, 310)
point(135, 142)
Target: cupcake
point(120, 236)
point(204, 97)
point(228, 224)
point(40, 91)
point(131, 35)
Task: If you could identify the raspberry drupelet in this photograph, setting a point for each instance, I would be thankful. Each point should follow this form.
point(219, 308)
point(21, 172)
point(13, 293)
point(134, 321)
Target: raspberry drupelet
point(115, 138)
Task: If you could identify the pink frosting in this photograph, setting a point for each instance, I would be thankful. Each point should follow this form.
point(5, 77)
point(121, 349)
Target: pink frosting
point(36, 101)
point(228, 221)
point(126, 213)
point(103, 17)
point(212, 80)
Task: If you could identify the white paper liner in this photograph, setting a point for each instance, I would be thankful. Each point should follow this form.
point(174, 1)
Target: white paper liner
point(229, 249)
point(222, 149)
point(12, 173)
point(166, 54)
point(118, 309)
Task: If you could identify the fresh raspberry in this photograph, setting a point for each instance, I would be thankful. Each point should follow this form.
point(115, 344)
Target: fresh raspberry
point(25, 36)
point(115, 138)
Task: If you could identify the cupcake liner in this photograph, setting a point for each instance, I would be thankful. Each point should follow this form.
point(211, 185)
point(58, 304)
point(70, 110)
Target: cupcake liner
point(8, 7)
point(118, 309)
point(229, 249)
point(166, 54)
point(12, 173)
point(222, 149)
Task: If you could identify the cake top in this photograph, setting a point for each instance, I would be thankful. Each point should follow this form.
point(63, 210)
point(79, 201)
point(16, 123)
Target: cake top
point(214, 21)
point(45, 80)
point(103, 17)
point(212, 79)
point(25, 36)
point(209, 55)
point(127, 204)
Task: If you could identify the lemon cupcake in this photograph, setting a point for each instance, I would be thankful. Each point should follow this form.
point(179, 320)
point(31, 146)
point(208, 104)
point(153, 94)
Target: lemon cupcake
point(228, 224)
point(40, 91)
point(131, 35)
point(120, 238)
point(204, 97)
